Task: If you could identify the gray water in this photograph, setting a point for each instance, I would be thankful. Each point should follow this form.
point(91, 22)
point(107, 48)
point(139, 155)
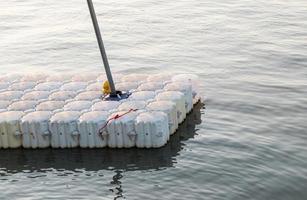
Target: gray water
point(250, 140)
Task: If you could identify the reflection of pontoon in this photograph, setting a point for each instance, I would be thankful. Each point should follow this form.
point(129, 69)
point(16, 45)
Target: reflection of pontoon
point(16, 160)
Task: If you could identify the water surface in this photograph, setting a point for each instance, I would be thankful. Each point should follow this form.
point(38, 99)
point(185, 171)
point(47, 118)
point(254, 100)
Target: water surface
point(249, 143)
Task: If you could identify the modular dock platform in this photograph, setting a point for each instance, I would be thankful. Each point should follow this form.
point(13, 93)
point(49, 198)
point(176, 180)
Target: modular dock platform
point(68, 111)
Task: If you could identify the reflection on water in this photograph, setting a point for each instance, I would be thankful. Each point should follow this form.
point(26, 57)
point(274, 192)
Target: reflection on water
point(63, 161)
point(116, 181)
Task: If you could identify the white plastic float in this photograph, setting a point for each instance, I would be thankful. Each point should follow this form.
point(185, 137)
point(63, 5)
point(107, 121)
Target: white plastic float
point(178, 98)
point(74, 86)
point(22, 105)
point(36, 95)
point(88, 95)
point(62, 95)
point(77, 105)
point(135, 105)
point(96, 86)
point(88, 125)
point(10, 95)
point(143, 96)
point(22, 86)
point(151, 129)
point(4, 86)
point(186, 89)
point(121, 131)
point(10, 134)
point(106, 105)
point(35, 129)
point(170, 109)
point(50, 105)
point(191, 79)
point(66, 111)
point(4, 105)
point(48, 86)
point(64, 129)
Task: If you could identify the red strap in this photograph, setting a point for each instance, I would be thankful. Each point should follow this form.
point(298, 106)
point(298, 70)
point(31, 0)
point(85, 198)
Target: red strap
point(114, 118)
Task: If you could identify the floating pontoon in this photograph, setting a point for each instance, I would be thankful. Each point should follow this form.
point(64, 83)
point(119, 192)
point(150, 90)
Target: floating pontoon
point(60, 111)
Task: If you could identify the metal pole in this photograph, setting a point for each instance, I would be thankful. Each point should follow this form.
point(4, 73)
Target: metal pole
point(101, 47)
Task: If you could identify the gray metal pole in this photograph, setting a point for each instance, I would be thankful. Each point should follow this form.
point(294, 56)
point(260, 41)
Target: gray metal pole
point(101, 47)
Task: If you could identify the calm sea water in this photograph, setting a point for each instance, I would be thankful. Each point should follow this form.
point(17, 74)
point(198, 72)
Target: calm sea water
point(250, 142)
